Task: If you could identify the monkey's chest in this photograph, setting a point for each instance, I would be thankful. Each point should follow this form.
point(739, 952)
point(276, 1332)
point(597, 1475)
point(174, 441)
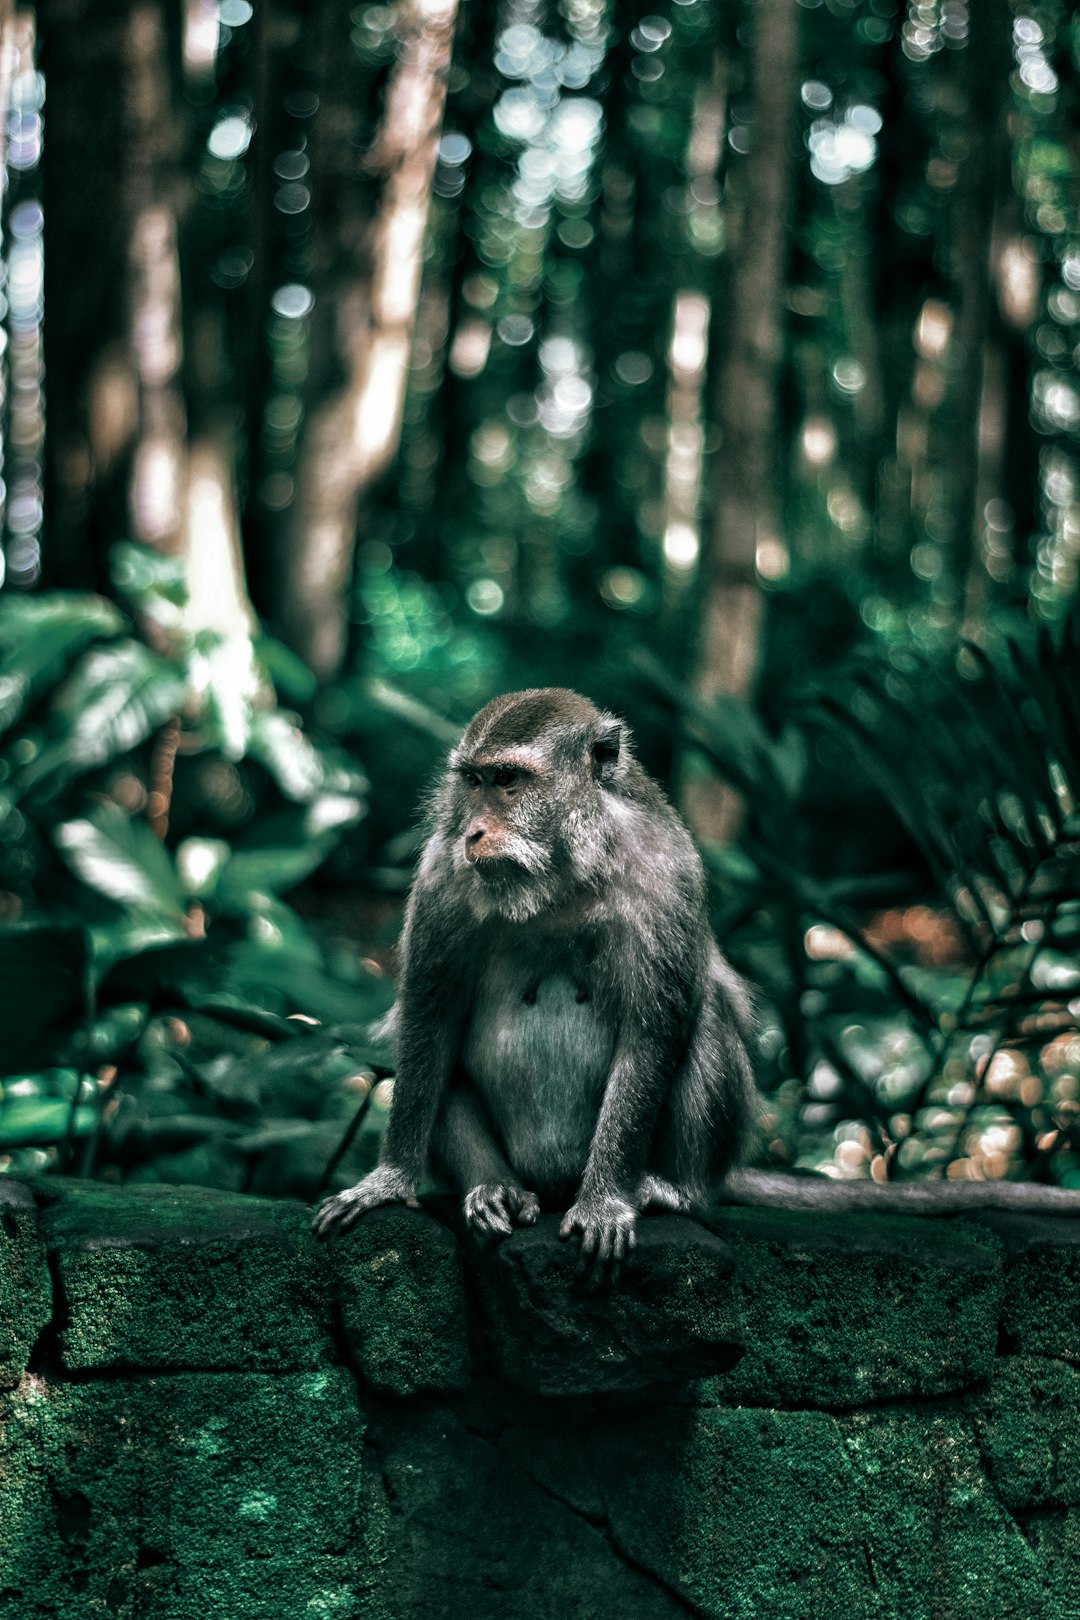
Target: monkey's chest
point(539, 1053)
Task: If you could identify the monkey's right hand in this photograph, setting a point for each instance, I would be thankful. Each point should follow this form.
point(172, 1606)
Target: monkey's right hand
point(493, 1206)
point(382, 1186)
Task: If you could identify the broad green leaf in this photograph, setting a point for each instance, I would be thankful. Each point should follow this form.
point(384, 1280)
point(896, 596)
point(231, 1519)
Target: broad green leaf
point(301, 769)
point(38, 643)
point(113, 700)
point(120, 858)
point(273, 870)
point(41, 1120)
point(200, 862)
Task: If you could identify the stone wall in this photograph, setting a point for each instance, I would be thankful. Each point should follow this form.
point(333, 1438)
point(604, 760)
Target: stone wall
point(206, 1415)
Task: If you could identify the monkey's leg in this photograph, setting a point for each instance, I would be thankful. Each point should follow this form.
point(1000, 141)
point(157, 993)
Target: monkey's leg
point(465, 1150)
point(656, 1192)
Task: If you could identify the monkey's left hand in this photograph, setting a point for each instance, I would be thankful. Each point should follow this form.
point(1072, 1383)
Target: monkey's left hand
point(606, 1223)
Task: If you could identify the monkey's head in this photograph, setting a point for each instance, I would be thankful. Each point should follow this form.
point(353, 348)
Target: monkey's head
point(530, 799)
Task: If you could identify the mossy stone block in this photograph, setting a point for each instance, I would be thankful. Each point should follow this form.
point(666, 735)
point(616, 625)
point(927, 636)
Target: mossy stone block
point(746, 1512)
point(1054, 1536)
point(937, 1542)
point(227, 1496)
point(671, 1315)
point(400, 1283)
point(185, 1278)
point(26, 1294)
point(840, 1311)
point(1041, 1309)
point(1028, 1425)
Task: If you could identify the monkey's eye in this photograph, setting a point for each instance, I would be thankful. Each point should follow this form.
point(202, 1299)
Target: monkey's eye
point(505, 777)
point(470, 779)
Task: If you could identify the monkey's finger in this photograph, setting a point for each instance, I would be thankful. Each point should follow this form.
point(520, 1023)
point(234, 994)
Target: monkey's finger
point(598, 1277)
point(568, 1226)
point(590, 1237)
point(528, 1210)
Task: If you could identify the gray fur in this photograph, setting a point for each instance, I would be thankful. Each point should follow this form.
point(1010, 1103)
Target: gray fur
point(568, 1030)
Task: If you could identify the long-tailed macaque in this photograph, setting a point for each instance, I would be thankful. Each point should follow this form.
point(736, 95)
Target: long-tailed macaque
point(568, 1032)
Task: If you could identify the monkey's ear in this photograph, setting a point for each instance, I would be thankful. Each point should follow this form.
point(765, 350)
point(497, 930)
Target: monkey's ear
point(607, 741)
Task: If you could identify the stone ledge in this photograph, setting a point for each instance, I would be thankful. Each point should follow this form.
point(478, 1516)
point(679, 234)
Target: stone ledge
point(773, 1308)
point(671, 1316)
point(840, 1311)
point(178, 1278)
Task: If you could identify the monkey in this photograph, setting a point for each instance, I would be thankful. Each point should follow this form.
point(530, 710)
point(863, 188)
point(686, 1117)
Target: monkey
point(568, 1033)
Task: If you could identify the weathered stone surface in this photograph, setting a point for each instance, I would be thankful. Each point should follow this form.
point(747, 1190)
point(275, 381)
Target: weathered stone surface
point(26, 1300)
point(1028, 1426)
point(473, 1537)
point(671, 1315)
point(803, 1515)
point(936, 1539)
point(399, 1279)
point(1041, 1309)
point(839, 1311)
point(1054, 1537)
point(239, 1495)
point(185, 1277)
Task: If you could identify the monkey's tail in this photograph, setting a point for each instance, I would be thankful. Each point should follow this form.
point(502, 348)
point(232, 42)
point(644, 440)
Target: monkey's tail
point(779, 1189)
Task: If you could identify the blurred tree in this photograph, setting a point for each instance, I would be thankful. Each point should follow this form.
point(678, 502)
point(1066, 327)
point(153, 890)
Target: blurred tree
point(745, 508)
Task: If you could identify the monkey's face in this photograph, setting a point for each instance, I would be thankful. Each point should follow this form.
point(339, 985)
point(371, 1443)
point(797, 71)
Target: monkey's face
point(527, 800)
point(505, 832)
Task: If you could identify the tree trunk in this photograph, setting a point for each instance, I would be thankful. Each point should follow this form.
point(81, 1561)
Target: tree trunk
point(747, 465)
point(977, 402)
point(352, 436)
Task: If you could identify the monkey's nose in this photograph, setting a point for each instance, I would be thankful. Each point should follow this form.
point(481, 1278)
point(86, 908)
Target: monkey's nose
point(475, 840)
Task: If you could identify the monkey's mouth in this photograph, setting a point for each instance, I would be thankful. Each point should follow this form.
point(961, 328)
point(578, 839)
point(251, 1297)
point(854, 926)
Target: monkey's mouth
point(496, 868)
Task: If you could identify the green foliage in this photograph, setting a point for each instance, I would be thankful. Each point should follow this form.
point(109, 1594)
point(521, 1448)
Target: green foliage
point(930, 1034)
point(108, 919)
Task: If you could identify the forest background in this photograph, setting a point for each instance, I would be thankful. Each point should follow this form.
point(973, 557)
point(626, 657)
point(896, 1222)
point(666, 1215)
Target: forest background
point(716, 358)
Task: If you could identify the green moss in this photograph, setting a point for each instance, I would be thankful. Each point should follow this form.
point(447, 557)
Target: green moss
point(936, 1539)
point(1029, 1429)
point(1041, 1310)
point(1054, 1536)
point(198, 1494)
point(803, 1515)
point(399, 1279)
point(744, 1513)
point(473, 1537)
point(25, 1286)
point(186, 1277)
point(841, 1312)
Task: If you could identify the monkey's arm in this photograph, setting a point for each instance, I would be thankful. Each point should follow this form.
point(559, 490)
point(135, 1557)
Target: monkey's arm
point(431, 1002)
point(605, 1210)
point(464, 1148)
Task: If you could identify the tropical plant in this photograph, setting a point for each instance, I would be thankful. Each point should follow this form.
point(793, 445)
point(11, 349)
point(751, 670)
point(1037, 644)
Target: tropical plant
point(905, 1037)
point(156, 802)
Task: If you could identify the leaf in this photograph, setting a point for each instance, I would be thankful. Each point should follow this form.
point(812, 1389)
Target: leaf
point(145, 575)
point(289, 674)
point(120, 858)
point(301, 769)
point(225, 681)
point(32, 1121)
point(43, 985)
point(113, 700)
point(272, 870)
point(39, 634)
